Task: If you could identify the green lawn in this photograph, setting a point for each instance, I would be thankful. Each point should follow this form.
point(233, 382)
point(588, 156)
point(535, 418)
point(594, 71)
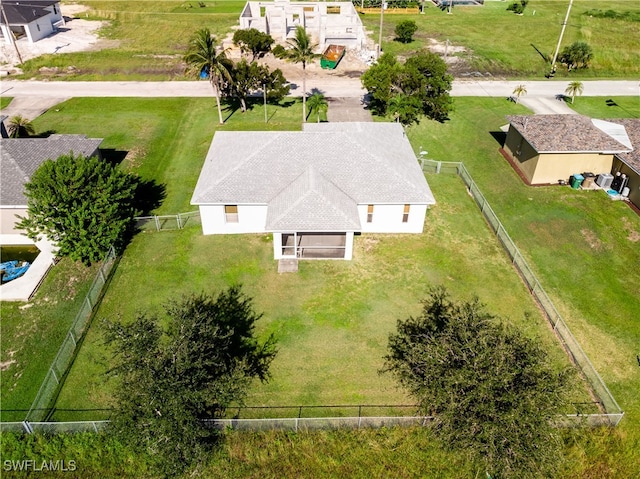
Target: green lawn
point(32, 332)
point(152, 36)
point(4, 101)
point(608, 107)
point(332, 319)
point(502, 43)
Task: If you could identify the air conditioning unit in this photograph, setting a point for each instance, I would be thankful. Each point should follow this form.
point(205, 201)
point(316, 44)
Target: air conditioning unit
point(604, 180)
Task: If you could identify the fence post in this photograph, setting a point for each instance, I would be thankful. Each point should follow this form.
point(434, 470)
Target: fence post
point(179, 220)
point(27, 427)
point(157, 223)
point(75, 343)
point(439, 167)
point(89, 303)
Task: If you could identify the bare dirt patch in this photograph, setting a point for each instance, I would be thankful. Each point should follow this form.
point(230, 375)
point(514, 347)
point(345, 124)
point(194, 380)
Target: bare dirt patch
point(5, 365)
point(592, 240)
point(634, 235)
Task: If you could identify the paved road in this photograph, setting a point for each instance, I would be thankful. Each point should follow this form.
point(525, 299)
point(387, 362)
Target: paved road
point(32, 98)
point(333, 87)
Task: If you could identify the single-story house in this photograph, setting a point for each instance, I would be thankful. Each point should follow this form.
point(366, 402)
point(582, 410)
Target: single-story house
point(19, 158)
point(34, 19)
point(313, 189)
point(326, 22)
point(549, 148)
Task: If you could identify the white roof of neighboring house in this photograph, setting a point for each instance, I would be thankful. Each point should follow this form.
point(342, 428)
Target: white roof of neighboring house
point(313, 179)
point(20, 157)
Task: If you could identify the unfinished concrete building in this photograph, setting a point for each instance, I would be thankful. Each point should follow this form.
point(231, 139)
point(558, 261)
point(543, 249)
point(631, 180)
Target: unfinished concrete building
point(327, 23)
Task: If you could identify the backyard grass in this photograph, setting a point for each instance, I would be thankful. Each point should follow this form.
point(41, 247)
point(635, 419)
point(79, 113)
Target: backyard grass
point(333, 318)
point(32, 332)
point(608, 107)
point(151, 37)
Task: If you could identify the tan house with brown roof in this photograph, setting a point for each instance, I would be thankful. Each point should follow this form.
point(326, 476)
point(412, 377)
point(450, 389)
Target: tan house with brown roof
point(549, 148)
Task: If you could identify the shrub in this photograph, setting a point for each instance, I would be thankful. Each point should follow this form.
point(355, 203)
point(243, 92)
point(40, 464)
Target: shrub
point(405, 30)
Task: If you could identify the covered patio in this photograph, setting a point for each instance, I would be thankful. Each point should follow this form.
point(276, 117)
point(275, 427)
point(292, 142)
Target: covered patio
point(313, 245)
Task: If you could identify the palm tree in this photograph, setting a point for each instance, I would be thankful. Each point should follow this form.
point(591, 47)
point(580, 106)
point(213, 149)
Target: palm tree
point(20, 127)
point(319, 103)
point(301, 51)
point(519, 91)
point(202, 57)
point(574, 88)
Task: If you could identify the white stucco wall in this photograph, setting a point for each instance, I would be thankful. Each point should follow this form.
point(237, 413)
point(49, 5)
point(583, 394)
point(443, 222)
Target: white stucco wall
point(388, 219)
point(39, 29)
point(251, 219)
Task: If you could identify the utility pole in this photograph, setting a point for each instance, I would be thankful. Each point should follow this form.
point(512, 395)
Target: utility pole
point(564, 25)
point(11, 36)
point(382, 5)
point(264, 94)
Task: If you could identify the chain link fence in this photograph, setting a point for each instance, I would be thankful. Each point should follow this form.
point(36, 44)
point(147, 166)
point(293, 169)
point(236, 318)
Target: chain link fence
point(49, 388)
point(612, 412)
point(167, 222)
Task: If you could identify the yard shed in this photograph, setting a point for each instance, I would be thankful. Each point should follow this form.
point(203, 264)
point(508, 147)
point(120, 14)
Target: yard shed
point(313, 189)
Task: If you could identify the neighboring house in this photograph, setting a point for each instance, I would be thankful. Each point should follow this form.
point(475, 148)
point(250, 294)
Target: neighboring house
point(19, 158)
point(313, 189)
point(549, 148)
point(326, 22)
point(34, 19)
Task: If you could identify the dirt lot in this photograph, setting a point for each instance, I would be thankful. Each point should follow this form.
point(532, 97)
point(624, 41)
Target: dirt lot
point(76, 36)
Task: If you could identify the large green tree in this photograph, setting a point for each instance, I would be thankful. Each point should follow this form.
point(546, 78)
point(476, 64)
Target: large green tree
point(254, 41)
point(301, 51)
point(85, 205)
point(177, 370)
point(248, 78)
point(203, 57)
point(492, 390)
point(422, 79)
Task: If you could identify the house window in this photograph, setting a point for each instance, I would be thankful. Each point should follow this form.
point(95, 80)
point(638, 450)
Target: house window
point(231, 213)
point(369, 213)
point(405, 214)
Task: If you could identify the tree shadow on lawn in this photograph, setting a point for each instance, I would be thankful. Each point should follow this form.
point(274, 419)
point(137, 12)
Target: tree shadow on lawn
point(232, 105)
point(149, 196)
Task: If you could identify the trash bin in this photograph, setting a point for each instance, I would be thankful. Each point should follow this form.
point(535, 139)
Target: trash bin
point(576, 181)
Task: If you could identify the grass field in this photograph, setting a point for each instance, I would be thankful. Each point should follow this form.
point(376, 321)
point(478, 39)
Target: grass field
point(33, 332)
point(501, 43)
point(152, 36)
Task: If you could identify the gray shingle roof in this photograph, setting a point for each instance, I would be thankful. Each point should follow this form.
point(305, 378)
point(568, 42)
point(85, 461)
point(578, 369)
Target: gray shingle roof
point(312, 203)
point(20, 13)
point(313, 177)
point(20, 157)
point(565, 133)
point(632, 126)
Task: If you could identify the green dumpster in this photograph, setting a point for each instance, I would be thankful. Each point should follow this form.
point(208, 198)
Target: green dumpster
point(576, 181)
